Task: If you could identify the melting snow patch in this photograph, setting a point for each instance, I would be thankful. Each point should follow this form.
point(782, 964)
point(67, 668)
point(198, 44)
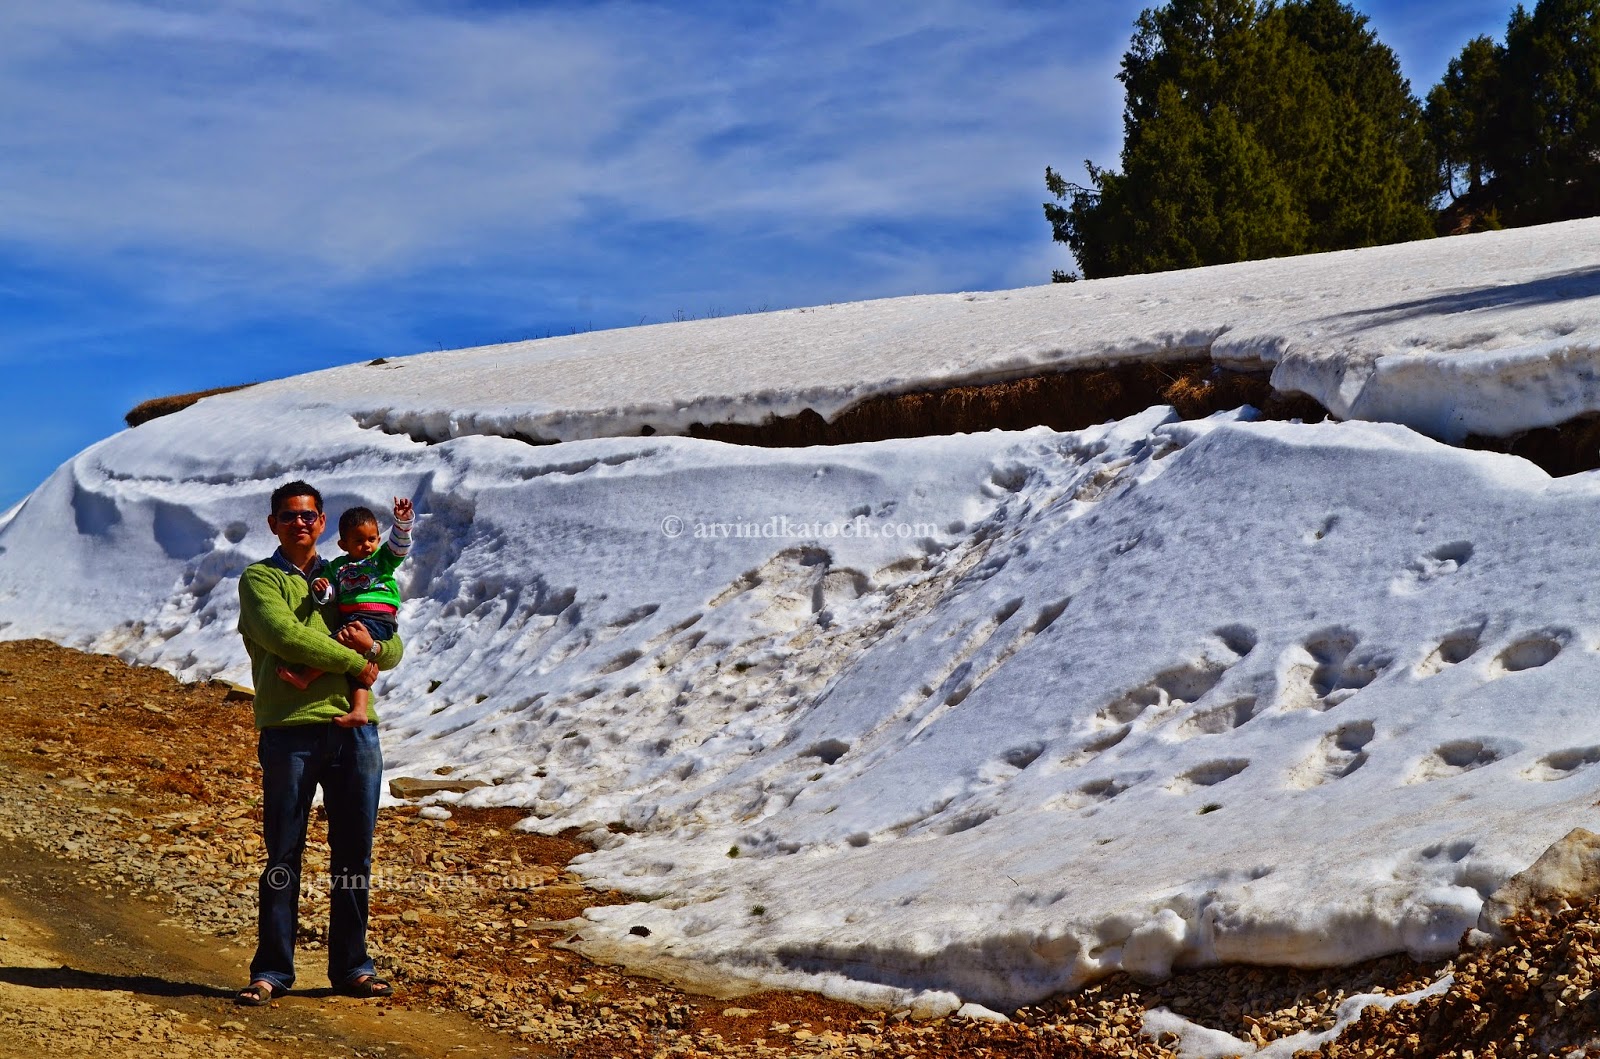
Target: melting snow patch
point(1194, 1041)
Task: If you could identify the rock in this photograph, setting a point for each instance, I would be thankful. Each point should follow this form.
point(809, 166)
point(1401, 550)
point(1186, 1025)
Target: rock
point(979, 1012)
point(933, 1004)
point(411, 787)
point(1565, 874)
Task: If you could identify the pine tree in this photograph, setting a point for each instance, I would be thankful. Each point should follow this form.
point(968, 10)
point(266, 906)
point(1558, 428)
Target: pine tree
point(1517, 125)
point(1546, 156)
point(1251, 131)
point(1461, 118)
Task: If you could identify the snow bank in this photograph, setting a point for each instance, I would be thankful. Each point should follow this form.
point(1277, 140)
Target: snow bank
point(1482, 334)
point(970, 718)
point(1148, 694)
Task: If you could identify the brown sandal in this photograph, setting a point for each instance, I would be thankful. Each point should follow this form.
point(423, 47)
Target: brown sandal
point(366, 987)
point(255, 995)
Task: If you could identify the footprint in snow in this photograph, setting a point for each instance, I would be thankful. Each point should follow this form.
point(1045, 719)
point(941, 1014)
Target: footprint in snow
point(1452, 650)
point(1562, 764)
point(1096, 791)
point(1432, 565)
point(1172, 689)
point(1454, 758)
point(1341, 752)
point(1216, 720)
point(1328, 669)
point(1529, 653)
point(1208, 774)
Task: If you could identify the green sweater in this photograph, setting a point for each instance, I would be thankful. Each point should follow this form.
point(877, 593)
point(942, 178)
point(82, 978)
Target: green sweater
point(281, 623)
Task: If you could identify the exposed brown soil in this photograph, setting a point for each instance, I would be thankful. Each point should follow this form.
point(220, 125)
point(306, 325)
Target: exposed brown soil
point(1570, 448)
point(90, 973)
point(1063, 400)
point(129, 854)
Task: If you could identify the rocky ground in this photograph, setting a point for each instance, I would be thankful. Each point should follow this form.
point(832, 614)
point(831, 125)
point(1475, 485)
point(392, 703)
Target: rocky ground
point(129, 851)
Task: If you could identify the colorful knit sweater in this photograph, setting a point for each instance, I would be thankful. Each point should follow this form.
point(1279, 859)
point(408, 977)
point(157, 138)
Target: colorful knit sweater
point(281, 622)
point(368, 585)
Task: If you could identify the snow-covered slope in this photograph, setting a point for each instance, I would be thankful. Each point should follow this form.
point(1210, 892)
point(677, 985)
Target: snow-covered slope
point(981, 716)
point(1482, 334)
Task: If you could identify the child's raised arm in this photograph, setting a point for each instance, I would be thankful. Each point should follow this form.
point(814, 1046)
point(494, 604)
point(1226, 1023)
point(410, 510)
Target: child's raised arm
point(398, 545)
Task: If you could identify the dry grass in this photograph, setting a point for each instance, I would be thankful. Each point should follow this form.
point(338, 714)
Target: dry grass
point(157, 407)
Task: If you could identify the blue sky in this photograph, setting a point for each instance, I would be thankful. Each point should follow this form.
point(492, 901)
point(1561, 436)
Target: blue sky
point(202, 194)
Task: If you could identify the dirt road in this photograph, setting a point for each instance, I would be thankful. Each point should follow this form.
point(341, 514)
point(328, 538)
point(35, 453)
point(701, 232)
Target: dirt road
point(86, 973)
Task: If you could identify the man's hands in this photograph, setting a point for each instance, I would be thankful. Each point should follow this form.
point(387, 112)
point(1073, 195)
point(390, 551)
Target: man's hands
point(402, 509)
point(356, 637)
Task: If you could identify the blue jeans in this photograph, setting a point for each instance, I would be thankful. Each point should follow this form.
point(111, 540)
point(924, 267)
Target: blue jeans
point(348, 764)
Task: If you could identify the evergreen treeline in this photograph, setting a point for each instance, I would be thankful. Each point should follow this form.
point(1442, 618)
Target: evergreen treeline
point(1258, 129)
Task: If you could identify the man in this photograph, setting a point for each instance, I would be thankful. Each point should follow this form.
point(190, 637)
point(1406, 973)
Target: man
point(300, 748)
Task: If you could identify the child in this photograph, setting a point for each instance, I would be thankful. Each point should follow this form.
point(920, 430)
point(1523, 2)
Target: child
point(362, 580)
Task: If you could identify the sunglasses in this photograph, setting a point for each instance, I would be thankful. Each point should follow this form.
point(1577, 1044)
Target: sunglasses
point(308, 518)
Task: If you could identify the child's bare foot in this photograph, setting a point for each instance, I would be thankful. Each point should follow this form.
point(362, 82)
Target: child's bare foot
point(300, 678)
point(358, 709)
point(356, 718)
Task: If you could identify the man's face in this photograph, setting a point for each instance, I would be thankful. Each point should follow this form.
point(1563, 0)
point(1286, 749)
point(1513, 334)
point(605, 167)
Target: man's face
point(289, 522)
point(360, 541)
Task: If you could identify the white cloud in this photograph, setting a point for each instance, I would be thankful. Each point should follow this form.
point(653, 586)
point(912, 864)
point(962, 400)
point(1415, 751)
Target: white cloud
point(318, 142)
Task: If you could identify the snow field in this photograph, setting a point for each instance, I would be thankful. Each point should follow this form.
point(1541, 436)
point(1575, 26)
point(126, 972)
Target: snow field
point(1153, 693)
point(972, 718)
